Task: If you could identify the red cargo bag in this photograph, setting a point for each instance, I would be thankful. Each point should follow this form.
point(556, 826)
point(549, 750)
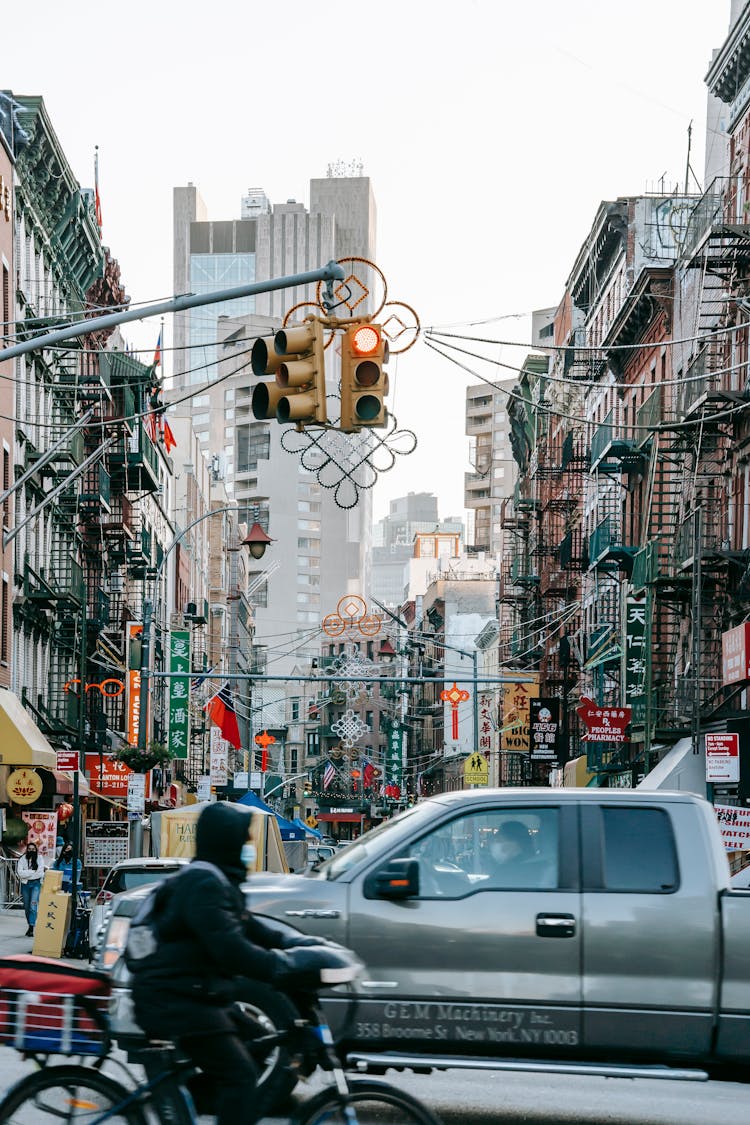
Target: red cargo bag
point(50, 1008)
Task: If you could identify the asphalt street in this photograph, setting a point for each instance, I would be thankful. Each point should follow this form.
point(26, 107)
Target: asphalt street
point(466, 1097)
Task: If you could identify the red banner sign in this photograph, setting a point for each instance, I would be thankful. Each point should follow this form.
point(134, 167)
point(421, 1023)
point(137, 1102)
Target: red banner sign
point(735, 654)
point(114, 776)
point(605, 724)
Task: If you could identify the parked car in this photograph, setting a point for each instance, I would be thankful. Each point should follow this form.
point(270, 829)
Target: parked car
point(613, 945)
point(316, 853)
point(126, 876)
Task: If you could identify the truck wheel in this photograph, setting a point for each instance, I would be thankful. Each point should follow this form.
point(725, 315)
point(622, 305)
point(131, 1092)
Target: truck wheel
point(272, 1011)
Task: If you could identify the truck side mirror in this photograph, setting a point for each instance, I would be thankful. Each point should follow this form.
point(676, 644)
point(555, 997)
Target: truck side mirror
point(399, 878)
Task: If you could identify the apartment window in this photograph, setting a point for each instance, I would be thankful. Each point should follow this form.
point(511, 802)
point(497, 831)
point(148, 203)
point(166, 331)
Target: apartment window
point(201, 419)
point(309, 525)
point(201, 400)
point(308, 506)
point(6, 486)
point(259, 596)
point(253, 445)
point(4, 623)
point(6, 301)
point(229, 395)
point(295, 710)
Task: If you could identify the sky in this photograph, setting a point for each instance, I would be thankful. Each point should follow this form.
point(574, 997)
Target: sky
point(491, 131)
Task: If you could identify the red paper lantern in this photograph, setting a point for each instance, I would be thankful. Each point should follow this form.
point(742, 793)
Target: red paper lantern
point(64, 812)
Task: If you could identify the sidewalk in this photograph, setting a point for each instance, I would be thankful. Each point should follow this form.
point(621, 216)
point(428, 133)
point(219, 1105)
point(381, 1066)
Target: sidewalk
point(13, 938)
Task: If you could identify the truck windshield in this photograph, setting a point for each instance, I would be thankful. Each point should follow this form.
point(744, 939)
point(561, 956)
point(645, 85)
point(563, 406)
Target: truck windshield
point(370, 844)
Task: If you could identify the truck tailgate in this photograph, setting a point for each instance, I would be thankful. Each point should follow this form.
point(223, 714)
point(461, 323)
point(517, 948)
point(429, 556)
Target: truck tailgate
point(733, 1039)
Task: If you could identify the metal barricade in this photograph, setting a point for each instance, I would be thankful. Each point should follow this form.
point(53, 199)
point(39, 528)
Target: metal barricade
point(10, 884)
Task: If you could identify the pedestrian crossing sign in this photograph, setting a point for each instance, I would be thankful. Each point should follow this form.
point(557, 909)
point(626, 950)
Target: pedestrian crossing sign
point(476, 769)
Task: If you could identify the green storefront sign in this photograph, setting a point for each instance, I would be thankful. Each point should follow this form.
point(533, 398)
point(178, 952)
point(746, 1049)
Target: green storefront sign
point(179, 694)
point(394, 753)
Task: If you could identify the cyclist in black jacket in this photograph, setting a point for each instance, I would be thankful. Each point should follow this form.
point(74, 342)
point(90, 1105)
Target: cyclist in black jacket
point(207, 937)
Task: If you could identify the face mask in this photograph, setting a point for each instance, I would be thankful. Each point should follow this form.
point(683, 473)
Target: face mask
point(248, 855)
point(502, 852)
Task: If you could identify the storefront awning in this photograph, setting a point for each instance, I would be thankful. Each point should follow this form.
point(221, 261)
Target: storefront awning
point(21, 741)
point(64, 783)
point(341, 818)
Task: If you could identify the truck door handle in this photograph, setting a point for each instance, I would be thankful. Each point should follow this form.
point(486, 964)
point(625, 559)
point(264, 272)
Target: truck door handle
point(555, 925)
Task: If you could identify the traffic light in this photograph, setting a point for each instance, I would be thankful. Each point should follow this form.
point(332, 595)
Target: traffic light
point(296, 359)
point(364, 384)
point(308, 788)
point(265, 360)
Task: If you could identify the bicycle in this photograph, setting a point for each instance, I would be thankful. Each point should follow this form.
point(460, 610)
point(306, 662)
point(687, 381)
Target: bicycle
point(77, 1093)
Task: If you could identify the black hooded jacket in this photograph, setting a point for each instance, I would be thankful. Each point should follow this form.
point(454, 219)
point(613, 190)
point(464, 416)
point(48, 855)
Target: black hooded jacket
point(206, 936)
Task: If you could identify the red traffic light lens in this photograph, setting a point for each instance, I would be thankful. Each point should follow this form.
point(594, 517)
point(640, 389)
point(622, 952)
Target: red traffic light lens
point(365, 340)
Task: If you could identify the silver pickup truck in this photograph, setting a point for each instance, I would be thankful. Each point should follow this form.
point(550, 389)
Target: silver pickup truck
point(580, 930)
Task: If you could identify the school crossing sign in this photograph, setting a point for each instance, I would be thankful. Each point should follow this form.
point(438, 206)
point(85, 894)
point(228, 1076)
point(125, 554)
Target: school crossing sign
point(476, 770)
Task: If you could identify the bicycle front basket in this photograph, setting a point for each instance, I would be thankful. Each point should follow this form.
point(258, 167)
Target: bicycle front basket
point(50, 1008)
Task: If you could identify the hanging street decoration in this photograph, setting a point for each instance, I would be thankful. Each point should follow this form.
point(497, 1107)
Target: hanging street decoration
point(264, 740)
point(353, 675)
point(349, 728)
point(351, 617)
point(454, 696)
point(348, 463)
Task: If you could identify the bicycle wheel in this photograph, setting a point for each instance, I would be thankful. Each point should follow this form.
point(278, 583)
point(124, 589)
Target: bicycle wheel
point(375, 1103)
point(69, 1094)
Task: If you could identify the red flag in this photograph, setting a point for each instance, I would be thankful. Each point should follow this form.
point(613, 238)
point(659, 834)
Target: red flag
point(169, 438)
point(157, 354)
point(220, 710)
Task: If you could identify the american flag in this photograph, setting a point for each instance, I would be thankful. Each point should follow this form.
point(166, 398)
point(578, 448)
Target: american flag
point(328, 775)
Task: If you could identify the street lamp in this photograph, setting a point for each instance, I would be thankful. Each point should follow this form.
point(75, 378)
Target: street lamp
point(257, 540)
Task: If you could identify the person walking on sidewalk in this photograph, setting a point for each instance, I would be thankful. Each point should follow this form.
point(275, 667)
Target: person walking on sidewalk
point(30, 870)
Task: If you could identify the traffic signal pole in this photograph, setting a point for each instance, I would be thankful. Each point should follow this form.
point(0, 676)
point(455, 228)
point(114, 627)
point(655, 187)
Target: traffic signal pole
point(330, 272)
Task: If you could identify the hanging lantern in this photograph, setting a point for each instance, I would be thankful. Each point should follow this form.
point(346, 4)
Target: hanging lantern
point(64, 812)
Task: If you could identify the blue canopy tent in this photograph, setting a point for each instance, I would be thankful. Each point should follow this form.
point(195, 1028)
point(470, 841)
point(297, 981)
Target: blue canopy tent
point(288, 830)
point(307, 829)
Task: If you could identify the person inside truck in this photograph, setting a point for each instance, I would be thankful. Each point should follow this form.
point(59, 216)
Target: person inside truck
point(514, 860)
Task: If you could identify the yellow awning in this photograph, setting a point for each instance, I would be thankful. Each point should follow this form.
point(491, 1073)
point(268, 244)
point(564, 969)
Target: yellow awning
point(21, 741)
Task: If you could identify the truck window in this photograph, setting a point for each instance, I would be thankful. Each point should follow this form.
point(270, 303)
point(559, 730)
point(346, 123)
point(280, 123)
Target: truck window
point(639, 851)
point(494, 849)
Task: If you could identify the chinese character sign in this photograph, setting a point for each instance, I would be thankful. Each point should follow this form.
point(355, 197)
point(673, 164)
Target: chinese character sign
point(487, 724)
point(43, 833)
point(135, 638)
point(605, 724)
point(219, 748)
point(544, 723)
point(179, 693)
point(394, 754)
point(515, 733)
point(635, 655)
